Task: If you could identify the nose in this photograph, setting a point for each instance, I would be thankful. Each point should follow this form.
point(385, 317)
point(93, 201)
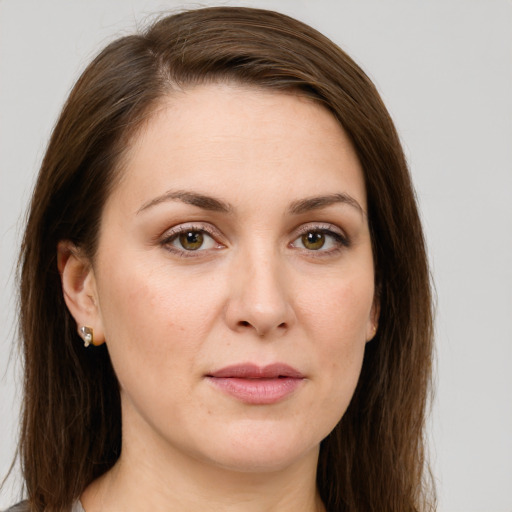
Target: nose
point(259, 299)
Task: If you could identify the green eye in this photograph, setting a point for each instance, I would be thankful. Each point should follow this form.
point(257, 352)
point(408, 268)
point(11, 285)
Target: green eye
point(313, 240)
point(323, 240)
point(191, 240)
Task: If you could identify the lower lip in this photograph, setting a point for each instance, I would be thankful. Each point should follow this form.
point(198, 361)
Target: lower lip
point(262, 391)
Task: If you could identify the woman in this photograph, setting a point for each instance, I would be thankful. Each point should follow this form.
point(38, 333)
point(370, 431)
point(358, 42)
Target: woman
point(225, 300)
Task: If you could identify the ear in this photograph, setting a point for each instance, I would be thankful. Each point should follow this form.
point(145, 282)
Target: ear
point(373, 320)
point(79, 289)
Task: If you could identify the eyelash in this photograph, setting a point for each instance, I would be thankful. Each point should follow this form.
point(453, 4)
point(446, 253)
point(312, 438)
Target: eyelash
point(175, 232)
point(340, 240)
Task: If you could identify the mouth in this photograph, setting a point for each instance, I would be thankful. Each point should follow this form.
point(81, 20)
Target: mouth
point(257, 385)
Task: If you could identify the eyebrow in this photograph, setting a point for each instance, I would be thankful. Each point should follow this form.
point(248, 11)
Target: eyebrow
point(319, 202)
point(216, 205)
point(199, 200)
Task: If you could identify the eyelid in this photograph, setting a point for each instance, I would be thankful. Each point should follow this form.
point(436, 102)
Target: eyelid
point(171, 234)
point(325, 227)
point(192, 226)
point(341, 238)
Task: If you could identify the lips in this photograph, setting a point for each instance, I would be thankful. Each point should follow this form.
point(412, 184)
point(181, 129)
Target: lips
point(256, 385)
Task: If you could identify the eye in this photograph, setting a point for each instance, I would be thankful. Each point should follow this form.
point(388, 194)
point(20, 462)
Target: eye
point(320, 239)
point(190, 240)
point(187, 239)
point(313, 240)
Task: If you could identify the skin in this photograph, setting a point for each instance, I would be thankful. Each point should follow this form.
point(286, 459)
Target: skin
point(257, 291)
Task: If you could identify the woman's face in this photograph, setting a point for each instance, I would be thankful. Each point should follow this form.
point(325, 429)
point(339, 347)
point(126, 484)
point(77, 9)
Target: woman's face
point(234, 279)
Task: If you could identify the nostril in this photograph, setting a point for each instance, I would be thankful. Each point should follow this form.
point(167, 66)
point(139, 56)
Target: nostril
point(261, 329)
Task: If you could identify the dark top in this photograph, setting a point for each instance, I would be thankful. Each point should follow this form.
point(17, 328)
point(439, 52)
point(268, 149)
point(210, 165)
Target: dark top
point(23, 507)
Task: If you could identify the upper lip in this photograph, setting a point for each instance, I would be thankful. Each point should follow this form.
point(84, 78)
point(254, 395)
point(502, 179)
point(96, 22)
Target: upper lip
point(253, 371)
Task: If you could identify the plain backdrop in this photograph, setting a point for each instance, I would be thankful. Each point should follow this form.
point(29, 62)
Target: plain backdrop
point(444, 69)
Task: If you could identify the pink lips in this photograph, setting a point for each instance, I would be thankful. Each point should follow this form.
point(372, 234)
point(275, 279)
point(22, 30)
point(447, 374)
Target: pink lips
point(257, 385)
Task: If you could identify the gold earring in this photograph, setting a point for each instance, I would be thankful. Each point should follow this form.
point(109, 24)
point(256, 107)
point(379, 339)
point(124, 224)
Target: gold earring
point(374, 332)
point(86, 334)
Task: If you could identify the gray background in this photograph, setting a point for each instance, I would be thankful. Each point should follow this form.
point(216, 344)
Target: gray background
point(444, 69)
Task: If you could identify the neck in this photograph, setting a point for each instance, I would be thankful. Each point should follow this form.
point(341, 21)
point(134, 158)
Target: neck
point(155, 476)
point(131, 486)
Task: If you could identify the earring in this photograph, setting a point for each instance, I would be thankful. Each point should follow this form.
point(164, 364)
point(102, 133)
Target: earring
point(374, 332)
point(86, 334)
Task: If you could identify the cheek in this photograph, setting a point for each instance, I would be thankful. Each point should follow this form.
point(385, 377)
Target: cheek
point(337, 320)
point(152, 318)
point(339, 311)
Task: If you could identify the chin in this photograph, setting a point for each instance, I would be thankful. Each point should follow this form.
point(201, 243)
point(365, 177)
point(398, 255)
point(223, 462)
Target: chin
point(259, 450)
point(254, 462)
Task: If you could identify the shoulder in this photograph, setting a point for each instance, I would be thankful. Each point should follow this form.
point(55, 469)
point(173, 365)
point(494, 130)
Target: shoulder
point(24, 507)
point(20, 507)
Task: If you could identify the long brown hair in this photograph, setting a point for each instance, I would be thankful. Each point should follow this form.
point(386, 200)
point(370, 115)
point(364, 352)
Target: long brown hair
point(71, 430)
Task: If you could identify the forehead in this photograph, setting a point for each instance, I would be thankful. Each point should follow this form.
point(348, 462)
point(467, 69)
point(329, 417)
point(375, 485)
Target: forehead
point(218, 135)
